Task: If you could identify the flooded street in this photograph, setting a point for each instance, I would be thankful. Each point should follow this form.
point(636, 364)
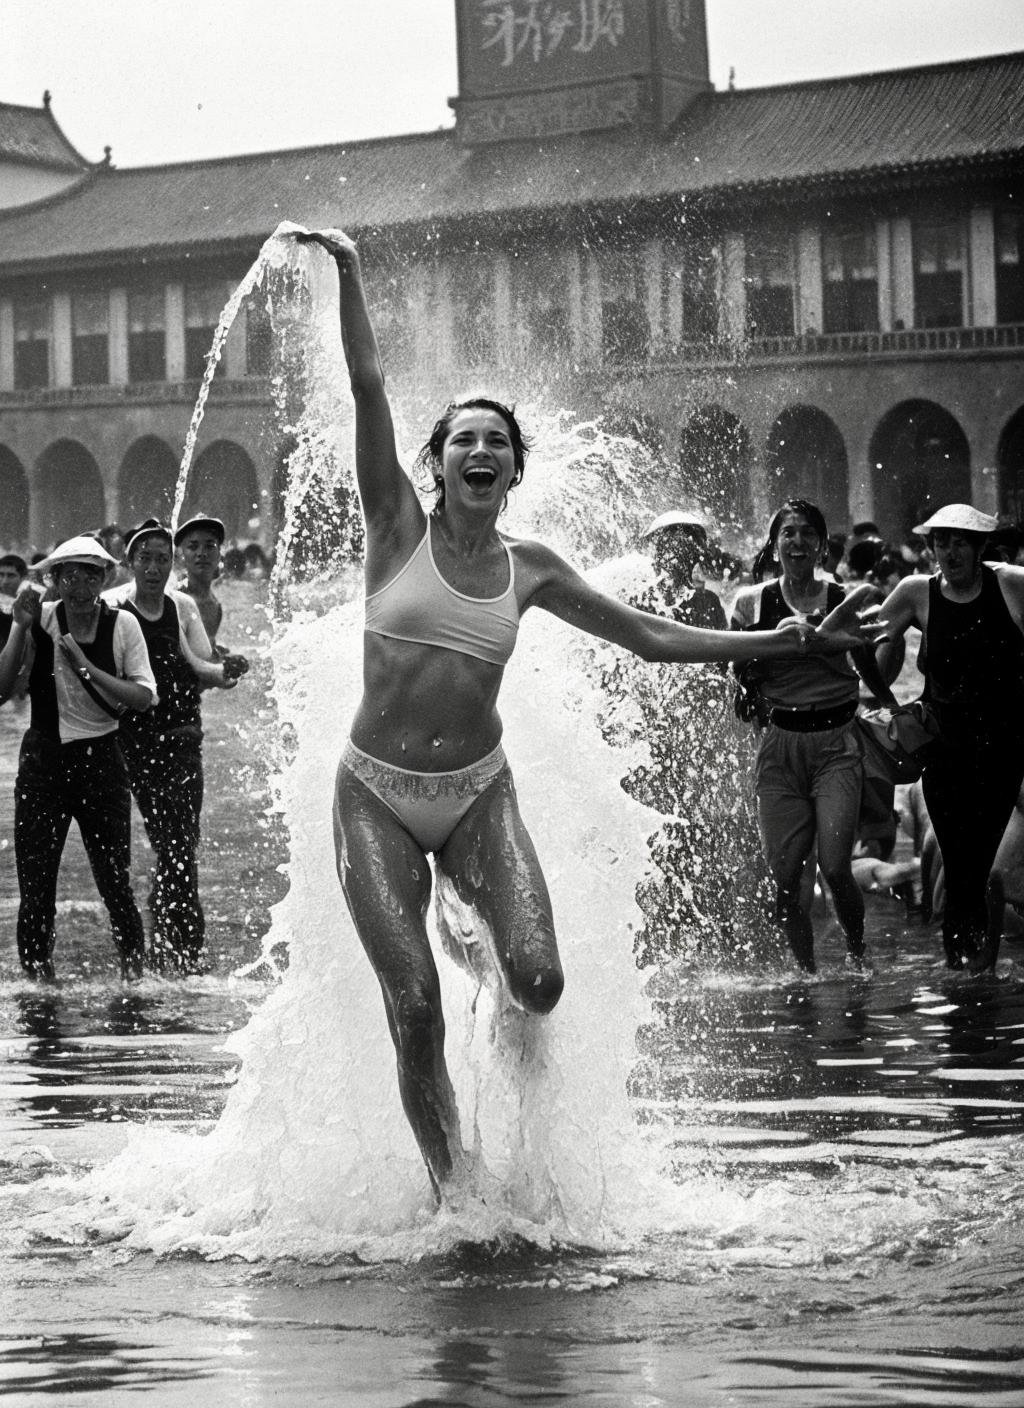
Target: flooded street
point(847, 1150)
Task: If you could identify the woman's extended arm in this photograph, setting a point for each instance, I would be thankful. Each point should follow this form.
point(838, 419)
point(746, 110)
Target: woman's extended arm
point(562, 591)
point(385, 490)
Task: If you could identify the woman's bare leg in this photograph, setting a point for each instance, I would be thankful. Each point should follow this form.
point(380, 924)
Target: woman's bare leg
point(386, 880)
point(491, 863)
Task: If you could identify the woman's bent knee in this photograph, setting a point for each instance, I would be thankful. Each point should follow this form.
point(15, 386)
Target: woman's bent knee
point(539, 989)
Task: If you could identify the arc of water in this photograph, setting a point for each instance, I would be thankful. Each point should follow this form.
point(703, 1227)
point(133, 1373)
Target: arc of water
point(270, 253)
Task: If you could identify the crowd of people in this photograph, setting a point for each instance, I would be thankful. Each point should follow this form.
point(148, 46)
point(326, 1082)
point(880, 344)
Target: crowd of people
point(111, 660)
point(822, 809)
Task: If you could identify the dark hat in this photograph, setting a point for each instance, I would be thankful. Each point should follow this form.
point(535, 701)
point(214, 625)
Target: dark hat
point(148, 528)
point(201, 520)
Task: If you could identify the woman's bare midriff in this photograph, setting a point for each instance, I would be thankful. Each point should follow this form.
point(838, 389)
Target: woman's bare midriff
point(424, 707)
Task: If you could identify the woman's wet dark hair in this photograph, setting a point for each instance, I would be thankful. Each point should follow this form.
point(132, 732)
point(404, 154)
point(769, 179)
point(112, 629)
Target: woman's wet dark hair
point(429, 457)
point(763, 561)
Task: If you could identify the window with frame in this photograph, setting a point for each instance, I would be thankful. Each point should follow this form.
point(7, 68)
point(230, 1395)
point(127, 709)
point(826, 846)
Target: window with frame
point(539, 286)
point(203, 305)
point(770, 279)
point(625, 330)
point(939, 264)
point(90, 338)
point(701, 283)
point(1009, 232)
point(147, 337)
point(32, 336)
point(849, 270)
point(471, 287)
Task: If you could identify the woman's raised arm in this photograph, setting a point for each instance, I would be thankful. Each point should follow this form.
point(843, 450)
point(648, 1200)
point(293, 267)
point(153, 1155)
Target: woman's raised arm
point(385, 490)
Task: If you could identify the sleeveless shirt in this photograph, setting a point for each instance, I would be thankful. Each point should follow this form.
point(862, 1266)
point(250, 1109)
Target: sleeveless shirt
point(176, 683)
point(974, 660)
point(805, 682)
point(418, 605)
point(42, 688)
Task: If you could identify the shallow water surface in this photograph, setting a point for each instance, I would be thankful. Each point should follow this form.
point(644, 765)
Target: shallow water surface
point(847, 1151)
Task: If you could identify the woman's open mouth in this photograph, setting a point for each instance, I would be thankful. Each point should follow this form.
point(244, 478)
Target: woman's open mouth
point(480, 477)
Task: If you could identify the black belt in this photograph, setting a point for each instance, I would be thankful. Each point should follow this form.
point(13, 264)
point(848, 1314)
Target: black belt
point(812, 720)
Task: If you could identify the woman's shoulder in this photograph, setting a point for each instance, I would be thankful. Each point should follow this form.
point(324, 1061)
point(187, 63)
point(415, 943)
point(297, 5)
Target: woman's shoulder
point(746, 603)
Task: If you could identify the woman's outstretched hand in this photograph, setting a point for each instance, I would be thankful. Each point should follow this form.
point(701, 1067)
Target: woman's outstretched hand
point(854, 623)
point(335, 242)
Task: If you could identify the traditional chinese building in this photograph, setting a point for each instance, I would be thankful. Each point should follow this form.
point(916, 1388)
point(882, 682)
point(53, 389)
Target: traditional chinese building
point(813, 286)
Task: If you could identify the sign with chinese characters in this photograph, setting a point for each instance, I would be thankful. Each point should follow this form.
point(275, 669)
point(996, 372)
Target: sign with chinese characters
point(506, 45)
point(548, 66)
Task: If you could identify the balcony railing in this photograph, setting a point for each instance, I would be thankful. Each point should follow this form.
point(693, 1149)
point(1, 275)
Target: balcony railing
point(910, 342)
point(248, 390)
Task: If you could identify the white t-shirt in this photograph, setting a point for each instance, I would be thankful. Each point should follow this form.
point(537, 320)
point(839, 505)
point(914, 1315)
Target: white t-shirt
point(78, 714)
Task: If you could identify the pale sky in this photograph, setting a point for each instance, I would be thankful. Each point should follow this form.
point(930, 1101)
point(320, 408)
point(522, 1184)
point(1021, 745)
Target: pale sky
point(173, 80)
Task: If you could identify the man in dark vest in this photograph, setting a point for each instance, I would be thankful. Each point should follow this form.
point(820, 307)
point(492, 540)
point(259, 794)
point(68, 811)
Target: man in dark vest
point(86, 665)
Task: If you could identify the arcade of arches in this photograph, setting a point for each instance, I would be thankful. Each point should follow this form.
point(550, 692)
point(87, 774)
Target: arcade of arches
point(918, 453)
point(64, 492)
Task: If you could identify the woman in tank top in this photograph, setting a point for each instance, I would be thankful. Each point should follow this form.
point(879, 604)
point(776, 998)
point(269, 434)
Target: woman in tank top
point(971, 616)
point(808, 773)
point(424, 771)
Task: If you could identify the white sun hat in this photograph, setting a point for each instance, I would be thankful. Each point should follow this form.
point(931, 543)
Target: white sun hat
point(81, 548)
point(676, 518)
point(962, 516)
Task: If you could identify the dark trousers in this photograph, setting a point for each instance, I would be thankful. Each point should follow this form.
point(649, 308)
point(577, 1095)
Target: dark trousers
point(166, 775)
point(970, 789)
point(84, 781)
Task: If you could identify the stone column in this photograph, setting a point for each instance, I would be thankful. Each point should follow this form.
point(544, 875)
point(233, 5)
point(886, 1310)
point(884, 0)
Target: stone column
point(732, 305)
point(117, 334)
point(505, 342)
point(591, 306)
point(902, 272)
point(883, 267)
point(6, 345)
point(653, 265)
point(810, 296)
point(981, 264)
point(419, 312)
point(61, 373)
point(677, 272)
point(236, 351)
point(174, 332)
point(443, 320)
point(574, 300)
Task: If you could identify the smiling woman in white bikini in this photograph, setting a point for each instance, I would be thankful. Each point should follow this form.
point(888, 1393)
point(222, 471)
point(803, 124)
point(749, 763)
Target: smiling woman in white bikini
point(424, 770)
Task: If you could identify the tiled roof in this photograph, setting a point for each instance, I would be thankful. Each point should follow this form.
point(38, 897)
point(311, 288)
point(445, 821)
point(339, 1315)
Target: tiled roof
point(32, 135)
point(836, 130)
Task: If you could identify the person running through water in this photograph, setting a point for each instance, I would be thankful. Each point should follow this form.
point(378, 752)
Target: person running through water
point(86, 664)
point(200, 542)
point(163, 747)
point(423, 772)
point(971, 617)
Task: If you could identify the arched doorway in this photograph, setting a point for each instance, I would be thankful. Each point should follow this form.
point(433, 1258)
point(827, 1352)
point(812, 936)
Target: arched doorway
point(714, 461)
point(14, 497)
point(920, 460)
point(149, 473)
point(805, 458)
point(223, 483)
point(69, 493)
point(1011, 468)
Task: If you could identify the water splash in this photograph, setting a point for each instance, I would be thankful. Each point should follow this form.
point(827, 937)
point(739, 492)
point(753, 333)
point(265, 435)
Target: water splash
point(276, 252)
